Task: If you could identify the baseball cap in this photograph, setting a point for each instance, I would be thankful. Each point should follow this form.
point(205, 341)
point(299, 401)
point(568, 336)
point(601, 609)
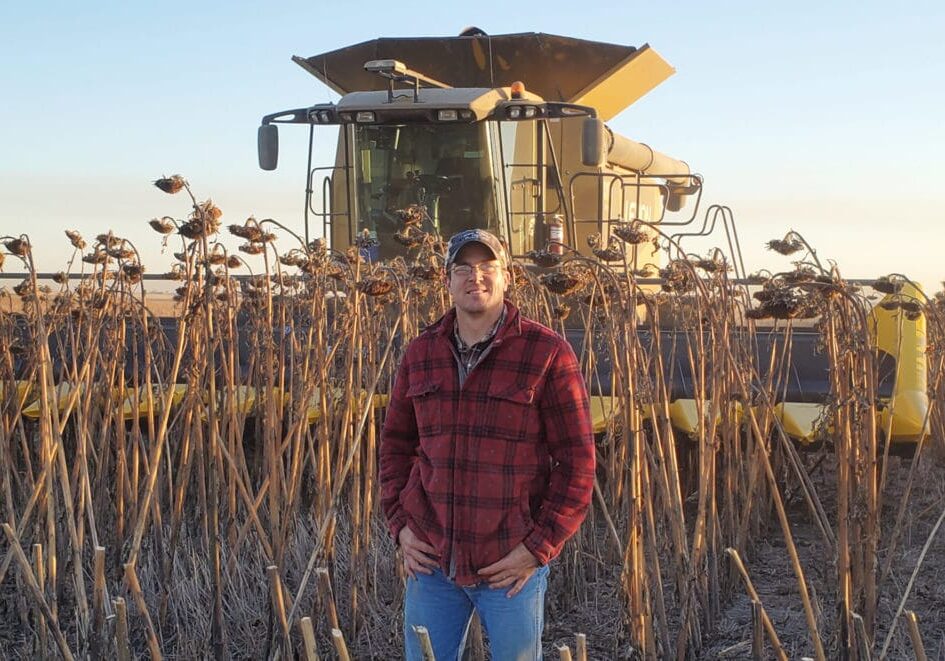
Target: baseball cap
point(488, 239)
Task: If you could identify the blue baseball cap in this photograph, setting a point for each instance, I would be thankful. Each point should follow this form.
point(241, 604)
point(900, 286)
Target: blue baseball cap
point(488, 239)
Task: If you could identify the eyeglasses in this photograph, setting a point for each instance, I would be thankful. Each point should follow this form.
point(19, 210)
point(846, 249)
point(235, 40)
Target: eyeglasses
point(466, 270)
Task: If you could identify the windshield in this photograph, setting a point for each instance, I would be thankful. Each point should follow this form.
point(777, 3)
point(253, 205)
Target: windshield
point(445, 168)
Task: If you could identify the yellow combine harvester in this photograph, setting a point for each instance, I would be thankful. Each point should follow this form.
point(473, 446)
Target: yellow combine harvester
point(508, 133)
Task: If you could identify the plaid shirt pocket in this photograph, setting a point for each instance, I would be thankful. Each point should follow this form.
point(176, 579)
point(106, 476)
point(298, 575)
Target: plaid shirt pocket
point(511, 412)
point(427, 406)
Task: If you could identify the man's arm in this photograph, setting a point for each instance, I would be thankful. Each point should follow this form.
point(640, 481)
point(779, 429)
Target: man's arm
point(398, 452)
point(566, 419)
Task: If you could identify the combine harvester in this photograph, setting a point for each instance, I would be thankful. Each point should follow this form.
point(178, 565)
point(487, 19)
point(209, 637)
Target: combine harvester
point(508, 133)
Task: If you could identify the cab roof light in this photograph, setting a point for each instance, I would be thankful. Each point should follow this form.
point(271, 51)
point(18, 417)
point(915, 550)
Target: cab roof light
point(386, 66)
point(447, 115)
point(515, 112)
point(364, 117)
point(517, 89)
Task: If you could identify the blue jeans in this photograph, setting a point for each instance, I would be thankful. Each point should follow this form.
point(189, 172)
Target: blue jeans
point(445, 609)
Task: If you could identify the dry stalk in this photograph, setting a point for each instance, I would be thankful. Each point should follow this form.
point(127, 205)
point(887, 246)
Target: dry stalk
point(755, 599)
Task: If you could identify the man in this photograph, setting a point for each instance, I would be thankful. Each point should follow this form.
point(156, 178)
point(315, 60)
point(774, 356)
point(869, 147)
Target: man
point(486, 461)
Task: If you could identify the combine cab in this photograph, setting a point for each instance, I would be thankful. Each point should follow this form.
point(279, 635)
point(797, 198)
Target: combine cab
point(508, 133)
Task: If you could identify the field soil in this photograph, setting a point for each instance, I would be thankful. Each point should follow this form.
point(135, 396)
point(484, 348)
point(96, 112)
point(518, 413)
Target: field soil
point(599, 614)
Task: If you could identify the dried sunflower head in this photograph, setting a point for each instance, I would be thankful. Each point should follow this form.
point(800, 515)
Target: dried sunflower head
point(292, 258)
point(217, 256)
point(75, 239)
point(162, 225)
point(612, 253)
point(757, 313)
point(757, 278)
point(95, 257)
point(18, 247)
point(712, 265)
point(763, 295)
point(425, 272)
point(120, 253)
point(800, 274)
point(785, 303)
point(887, 285)
point(561, 311)
point(171, 185)
point(318, 248)
point(631, 233)
point(174, 274)
point(786, 246)
point(544, 258)
point(211, 211)
point(677, 276)
point(562, 283)
point(375, 286)
point(132, 271)
point(192, 229)
point(252, 248)
point(60, 278)
point(108, 240)
point(250, 231)
point(23, 288)
point(410, 236)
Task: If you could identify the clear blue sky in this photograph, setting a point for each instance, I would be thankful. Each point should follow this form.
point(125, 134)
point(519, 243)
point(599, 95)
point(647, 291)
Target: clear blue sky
point(822, 117)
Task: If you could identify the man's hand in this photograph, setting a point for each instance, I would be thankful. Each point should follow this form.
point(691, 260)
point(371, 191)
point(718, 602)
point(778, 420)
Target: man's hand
point(418, 555)
point(514, 569)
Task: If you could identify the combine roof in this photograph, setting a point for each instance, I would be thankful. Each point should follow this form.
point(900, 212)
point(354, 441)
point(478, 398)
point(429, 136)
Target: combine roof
point(608, 77)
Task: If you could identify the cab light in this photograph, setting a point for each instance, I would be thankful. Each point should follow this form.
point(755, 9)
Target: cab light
point(517, 89)
point(345, 116)
point(530, 111)
point(364, 116)
point(447, 115)
point(515, 112)
point(324, 116)
point(465, 114)
point(385, 66)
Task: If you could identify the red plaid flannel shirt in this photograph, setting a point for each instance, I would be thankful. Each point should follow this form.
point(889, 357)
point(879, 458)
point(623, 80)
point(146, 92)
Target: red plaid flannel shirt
point(507, 458)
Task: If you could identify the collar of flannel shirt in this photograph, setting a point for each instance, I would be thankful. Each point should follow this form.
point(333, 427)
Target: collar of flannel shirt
point(470, 354)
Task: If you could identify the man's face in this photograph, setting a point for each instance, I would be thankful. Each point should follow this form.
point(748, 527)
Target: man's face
point(477, 293)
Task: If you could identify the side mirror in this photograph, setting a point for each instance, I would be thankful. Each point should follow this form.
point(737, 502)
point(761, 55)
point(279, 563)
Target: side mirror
point(592, 143)
point(267, 144)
